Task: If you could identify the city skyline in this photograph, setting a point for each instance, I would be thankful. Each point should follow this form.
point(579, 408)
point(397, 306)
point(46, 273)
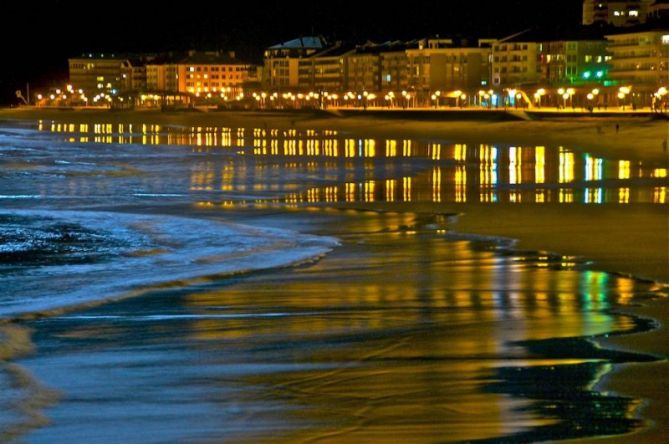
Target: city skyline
point(68, 30)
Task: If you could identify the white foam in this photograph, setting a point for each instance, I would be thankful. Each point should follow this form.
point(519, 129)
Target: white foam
point(168, 249)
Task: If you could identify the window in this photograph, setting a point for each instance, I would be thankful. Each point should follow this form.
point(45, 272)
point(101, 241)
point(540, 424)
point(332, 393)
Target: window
point(588, 59)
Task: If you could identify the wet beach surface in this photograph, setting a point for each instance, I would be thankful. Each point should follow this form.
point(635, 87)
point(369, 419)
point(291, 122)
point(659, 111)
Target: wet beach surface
point(406, 331)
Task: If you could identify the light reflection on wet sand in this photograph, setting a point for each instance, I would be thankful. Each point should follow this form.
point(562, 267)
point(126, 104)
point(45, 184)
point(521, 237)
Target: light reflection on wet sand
point(395, 336)
point(400, 335)
point(460, 173)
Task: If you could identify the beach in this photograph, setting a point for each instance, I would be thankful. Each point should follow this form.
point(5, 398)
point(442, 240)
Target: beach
point(559, 226)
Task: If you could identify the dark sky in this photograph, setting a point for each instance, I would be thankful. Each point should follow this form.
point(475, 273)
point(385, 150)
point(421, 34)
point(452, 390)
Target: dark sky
point(39, 37)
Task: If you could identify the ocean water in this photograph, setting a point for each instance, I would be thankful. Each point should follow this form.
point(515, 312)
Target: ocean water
point(199, 284)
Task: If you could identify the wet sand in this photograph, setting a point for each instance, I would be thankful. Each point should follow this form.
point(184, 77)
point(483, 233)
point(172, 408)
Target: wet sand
point(631, 243)
point(400, 334)
point(637, 138)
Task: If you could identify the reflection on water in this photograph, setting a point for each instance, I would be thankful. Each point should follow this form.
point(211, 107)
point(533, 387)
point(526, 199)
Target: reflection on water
point(403, 335)
point(459, 173)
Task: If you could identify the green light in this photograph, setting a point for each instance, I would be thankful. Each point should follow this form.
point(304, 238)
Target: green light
point(600, 74)
point(587, 74)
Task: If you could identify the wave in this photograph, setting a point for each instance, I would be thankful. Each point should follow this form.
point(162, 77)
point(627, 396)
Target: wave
point(54, 260)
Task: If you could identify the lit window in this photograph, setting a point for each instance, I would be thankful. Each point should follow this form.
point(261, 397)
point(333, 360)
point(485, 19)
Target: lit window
point(634, 13)
point(665, 39)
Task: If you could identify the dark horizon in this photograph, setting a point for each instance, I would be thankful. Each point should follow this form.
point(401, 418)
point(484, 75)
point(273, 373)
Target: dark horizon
point(64, 29)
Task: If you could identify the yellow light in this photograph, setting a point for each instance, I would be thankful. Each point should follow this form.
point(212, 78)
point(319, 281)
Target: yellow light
point(39, 96)
point(591, 96)
point(595, 91)
point(561, 91)
point(571, 91)
point(621, 95)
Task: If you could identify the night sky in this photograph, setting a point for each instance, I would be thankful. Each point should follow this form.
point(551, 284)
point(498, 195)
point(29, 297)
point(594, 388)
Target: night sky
point(61, 29)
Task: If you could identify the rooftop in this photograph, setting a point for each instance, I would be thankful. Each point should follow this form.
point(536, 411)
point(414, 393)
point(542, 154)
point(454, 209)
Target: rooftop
point(312, 42)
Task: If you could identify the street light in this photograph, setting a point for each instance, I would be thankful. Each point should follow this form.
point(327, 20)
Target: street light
point(538, 95)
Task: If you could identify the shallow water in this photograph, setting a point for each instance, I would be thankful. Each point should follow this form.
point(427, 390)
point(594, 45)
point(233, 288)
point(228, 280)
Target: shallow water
point(406, 331)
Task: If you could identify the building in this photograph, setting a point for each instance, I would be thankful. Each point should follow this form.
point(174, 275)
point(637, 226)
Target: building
point(515, 61)
point(324, 70)
point(617, 12)
point(203, 74)
point(564, 57)
point(377, 68)
point(440, 64)
point(640, 57)
point(211, 73)
point(281, 61)
point(105, 73)
point(659, 11)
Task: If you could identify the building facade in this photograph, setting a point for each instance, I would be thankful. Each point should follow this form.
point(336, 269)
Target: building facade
point(203, 74)
point(324, 70)
point(573, 62)
point(640, 58)
point(531, 57)
point(515, 62)
point(282, 61)
point(448, 65)
point(616, 12)
point(95, 73)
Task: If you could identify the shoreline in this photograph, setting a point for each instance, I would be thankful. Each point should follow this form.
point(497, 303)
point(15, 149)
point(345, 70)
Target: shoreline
point(580, 134)
point(638, 138)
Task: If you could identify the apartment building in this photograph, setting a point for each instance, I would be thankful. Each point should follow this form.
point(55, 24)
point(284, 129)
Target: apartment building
point(640, 57)
point(616, 12)
point(203, 74)
point(106, 73)
point(551, 58)
point(282, 61)
point(324, 70)
point(440, 64)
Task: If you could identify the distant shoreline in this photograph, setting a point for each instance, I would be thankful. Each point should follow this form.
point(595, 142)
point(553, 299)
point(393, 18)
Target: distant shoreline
point(639, 138)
